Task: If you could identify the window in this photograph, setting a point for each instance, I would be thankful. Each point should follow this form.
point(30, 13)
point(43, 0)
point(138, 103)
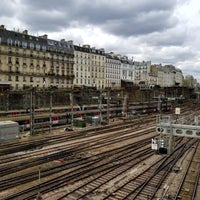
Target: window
point(24, 61)
point(31, 46)
point(31, 53)
point(24, 44)
point(9, 78)
point(17, 43)
point(9, 50)
point(17, 60)
point(44, 48)
point(16, 78)
point(37, 47)
point(44, 81)
point(9, 59)
point(38, 64)
point(17, 51)
point(9, 41)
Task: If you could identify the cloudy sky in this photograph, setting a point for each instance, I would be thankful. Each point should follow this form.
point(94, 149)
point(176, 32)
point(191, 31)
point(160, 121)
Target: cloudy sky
point(163, 31)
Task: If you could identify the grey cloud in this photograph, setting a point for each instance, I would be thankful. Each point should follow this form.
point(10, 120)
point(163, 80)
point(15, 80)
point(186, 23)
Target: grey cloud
point(171, 37)
point(50, 21)
point(142, 23)
point(7, 8)
point(119, 17)
point(172, 54)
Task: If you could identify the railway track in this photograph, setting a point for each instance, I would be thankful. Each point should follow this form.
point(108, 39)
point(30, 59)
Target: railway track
point(141, 186)
point(189, 182)
point(90, 164)
point(60, 143)
point(146, 184)
point(103, 141)
point(46, 140)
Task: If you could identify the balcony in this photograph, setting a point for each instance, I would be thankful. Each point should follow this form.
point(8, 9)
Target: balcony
point(51, 74)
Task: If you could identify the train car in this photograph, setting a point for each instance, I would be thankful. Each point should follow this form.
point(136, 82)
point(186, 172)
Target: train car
point(63, 115)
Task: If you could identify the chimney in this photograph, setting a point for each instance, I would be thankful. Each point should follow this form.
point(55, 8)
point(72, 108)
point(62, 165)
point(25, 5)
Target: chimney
point(70, 42)
point(25, 32)
point(86, 46)
point(45, 36)
point(2, 27)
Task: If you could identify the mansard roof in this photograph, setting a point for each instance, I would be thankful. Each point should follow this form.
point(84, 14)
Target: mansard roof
point(16, 38)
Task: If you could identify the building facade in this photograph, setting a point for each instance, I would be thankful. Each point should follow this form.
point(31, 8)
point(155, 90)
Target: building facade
point(168, 76)
point(113, 71)
point(127, 69)
point(89, 66)
point(29, 61)
point(142, 69)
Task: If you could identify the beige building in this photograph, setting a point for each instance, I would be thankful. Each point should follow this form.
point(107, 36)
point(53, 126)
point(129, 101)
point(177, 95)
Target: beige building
point(29, 61)
point(89, 66)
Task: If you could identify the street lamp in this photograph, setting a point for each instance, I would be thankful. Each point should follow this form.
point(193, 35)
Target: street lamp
point(32, 110)
point(100, 105)
point(72, 109)
point(50, 113)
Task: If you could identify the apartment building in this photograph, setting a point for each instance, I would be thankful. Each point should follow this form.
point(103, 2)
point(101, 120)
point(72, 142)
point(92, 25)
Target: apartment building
point(127, 69)
point(113, 71)
point(36, 61)
point(30, 61)
point(168, 75)
point(89, 66)
point(141, 68)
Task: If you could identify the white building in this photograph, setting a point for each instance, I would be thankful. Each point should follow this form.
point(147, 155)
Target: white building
point(112, 71)
point(142, 69)
point(169, 76)
point(127, 69)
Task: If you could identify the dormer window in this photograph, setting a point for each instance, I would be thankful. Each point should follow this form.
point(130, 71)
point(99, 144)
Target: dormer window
point(31, 46)
point(37, 47)
point(17, 43)
point(24, 44)
point(44, 48)
point(9, 41)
